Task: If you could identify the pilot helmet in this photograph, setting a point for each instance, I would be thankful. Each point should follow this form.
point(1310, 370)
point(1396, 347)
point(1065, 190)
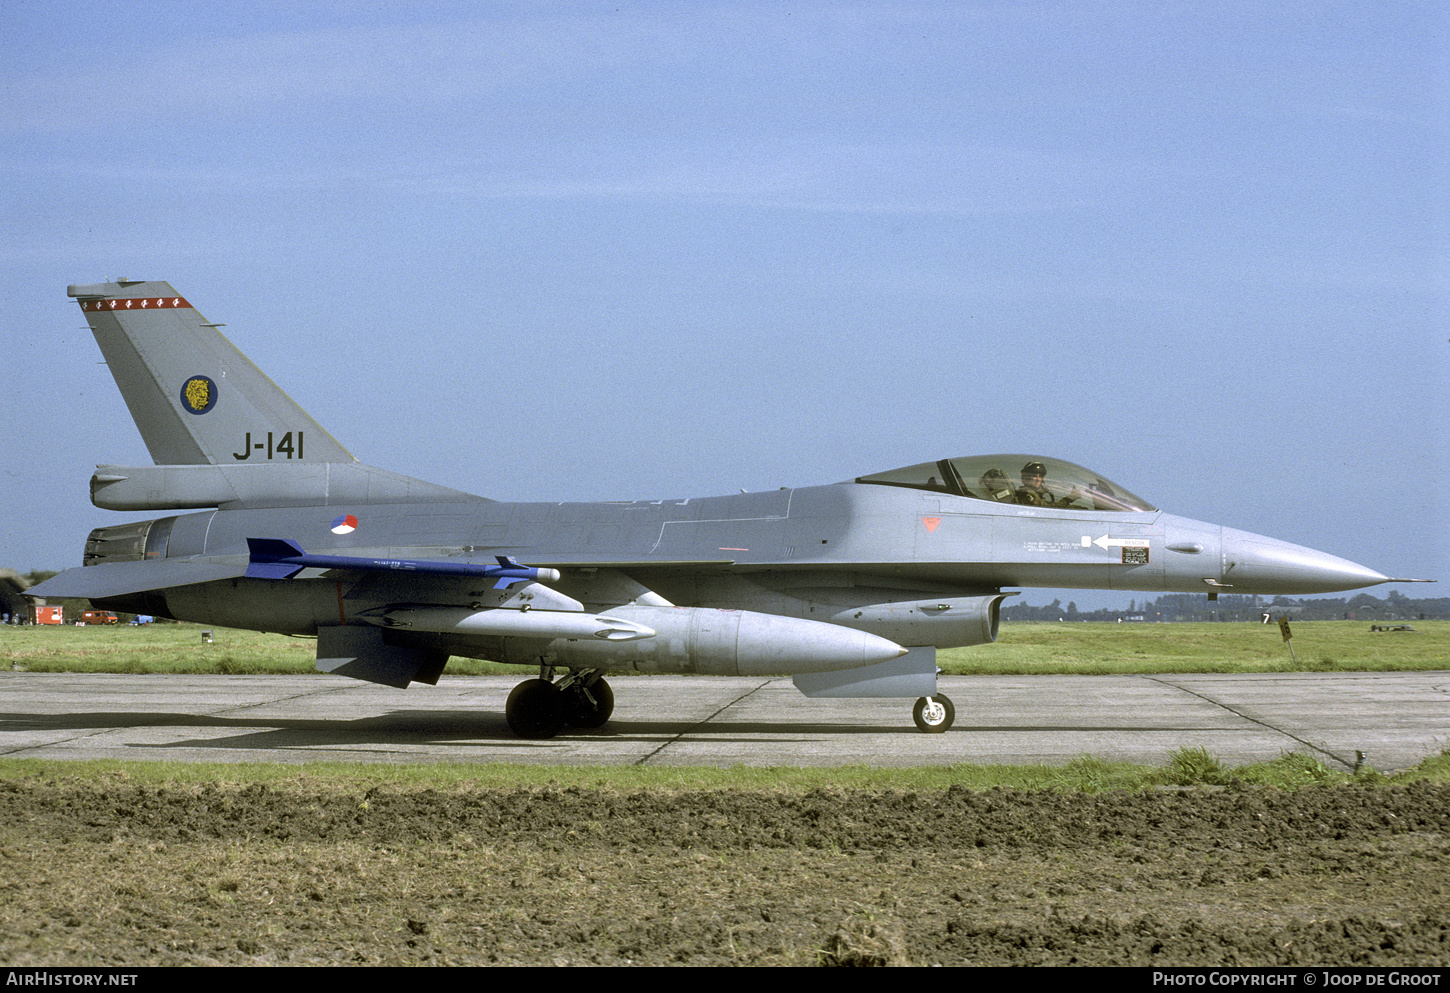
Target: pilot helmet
point(1034, 469)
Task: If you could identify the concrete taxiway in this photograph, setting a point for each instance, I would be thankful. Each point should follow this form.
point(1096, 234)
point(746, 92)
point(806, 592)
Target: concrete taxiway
point(1392, 720)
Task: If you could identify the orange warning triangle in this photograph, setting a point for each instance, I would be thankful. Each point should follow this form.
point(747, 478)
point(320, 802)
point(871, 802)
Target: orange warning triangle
point(931, 523)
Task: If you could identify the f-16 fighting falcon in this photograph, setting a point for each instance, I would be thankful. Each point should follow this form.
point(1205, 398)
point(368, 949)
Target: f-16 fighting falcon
point(849, 587)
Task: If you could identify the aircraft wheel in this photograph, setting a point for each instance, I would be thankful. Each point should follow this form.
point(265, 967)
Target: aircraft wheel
point(934, 714)
point(581, 712)
point(535, 709)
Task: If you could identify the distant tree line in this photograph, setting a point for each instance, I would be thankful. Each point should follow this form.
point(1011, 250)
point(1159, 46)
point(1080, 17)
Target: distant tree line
point(1228, 607)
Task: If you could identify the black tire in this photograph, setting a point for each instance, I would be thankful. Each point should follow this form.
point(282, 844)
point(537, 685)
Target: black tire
point(535, 709)
point(936, 720)
point(579, 712)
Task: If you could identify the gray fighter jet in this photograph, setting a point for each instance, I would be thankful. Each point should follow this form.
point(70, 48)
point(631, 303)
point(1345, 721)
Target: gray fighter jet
point(849, 587)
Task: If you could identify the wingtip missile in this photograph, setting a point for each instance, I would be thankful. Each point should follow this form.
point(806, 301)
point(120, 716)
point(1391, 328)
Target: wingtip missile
point(282, 558)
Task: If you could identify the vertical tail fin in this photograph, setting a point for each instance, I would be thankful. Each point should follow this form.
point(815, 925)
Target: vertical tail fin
point(195, 398)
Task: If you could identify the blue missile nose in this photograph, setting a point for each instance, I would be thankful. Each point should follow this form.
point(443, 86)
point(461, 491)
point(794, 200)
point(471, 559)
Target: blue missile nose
point(1253, 563)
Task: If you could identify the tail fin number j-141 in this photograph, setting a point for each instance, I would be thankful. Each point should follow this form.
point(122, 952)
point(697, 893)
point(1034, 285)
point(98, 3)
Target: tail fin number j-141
point(282, 447)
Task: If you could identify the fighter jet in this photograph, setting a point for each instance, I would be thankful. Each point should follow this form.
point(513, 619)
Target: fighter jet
point(849, 587)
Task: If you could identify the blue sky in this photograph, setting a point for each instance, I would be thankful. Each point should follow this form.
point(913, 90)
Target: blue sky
point(583, 251)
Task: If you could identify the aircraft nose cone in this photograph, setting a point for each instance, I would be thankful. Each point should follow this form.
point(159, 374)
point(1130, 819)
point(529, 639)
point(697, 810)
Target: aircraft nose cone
point(1256, 564)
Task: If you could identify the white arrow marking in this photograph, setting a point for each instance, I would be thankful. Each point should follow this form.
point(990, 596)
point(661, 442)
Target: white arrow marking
point(1106, 542)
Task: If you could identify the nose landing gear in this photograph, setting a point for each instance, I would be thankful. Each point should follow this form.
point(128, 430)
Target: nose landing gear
point(934, 714)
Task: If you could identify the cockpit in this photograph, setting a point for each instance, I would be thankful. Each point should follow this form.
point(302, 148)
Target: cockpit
point(1027, 480)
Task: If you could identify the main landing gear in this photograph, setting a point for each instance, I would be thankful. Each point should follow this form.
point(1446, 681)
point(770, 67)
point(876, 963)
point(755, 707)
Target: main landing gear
point(934, 714)
point(540, 708)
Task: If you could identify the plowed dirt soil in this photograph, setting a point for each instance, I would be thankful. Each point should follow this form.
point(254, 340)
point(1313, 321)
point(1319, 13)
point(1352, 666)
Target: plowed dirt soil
point(115, 874)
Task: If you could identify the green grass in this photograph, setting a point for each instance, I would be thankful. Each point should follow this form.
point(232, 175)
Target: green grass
point(174, 649)
point(1102, 649)
point(1082, 649)
point(1190, 767)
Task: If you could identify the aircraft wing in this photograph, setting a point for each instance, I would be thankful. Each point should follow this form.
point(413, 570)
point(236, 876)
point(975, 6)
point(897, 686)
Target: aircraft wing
point(121, 578)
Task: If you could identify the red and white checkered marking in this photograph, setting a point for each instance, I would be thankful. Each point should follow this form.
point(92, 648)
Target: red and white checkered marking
point(135, 303)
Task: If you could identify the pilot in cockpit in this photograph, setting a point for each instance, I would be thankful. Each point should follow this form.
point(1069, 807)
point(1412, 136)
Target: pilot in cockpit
point(1032, 491)
point(996, 486)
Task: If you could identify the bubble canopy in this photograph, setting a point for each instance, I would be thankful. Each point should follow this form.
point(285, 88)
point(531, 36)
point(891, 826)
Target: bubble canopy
point(1027, 480)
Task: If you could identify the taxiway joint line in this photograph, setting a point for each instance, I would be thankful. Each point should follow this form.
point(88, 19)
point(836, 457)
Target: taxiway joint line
point(700, 723)
point(1348, 764)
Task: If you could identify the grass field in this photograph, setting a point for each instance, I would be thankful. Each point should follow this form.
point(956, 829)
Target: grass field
point(1188, 767)
point(1080, 649)
point(1099, 649)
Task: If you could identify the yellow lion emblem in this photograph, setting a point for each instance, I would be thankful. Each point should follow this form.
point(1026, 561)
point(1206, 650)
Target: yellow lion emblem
point(198, 394)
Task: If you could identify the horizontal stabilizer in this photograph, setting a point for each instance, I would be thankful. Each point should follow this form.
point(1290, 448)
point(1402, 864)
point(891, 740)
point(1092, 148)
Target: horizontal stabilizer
point(280, 558)
point(112, 579)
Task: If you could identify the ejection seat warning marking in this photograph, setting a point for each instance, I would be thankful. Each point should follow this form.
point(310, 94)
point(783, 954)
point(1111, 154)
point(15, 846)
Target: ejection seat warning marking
point(1047, 546)
point(931, 523)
